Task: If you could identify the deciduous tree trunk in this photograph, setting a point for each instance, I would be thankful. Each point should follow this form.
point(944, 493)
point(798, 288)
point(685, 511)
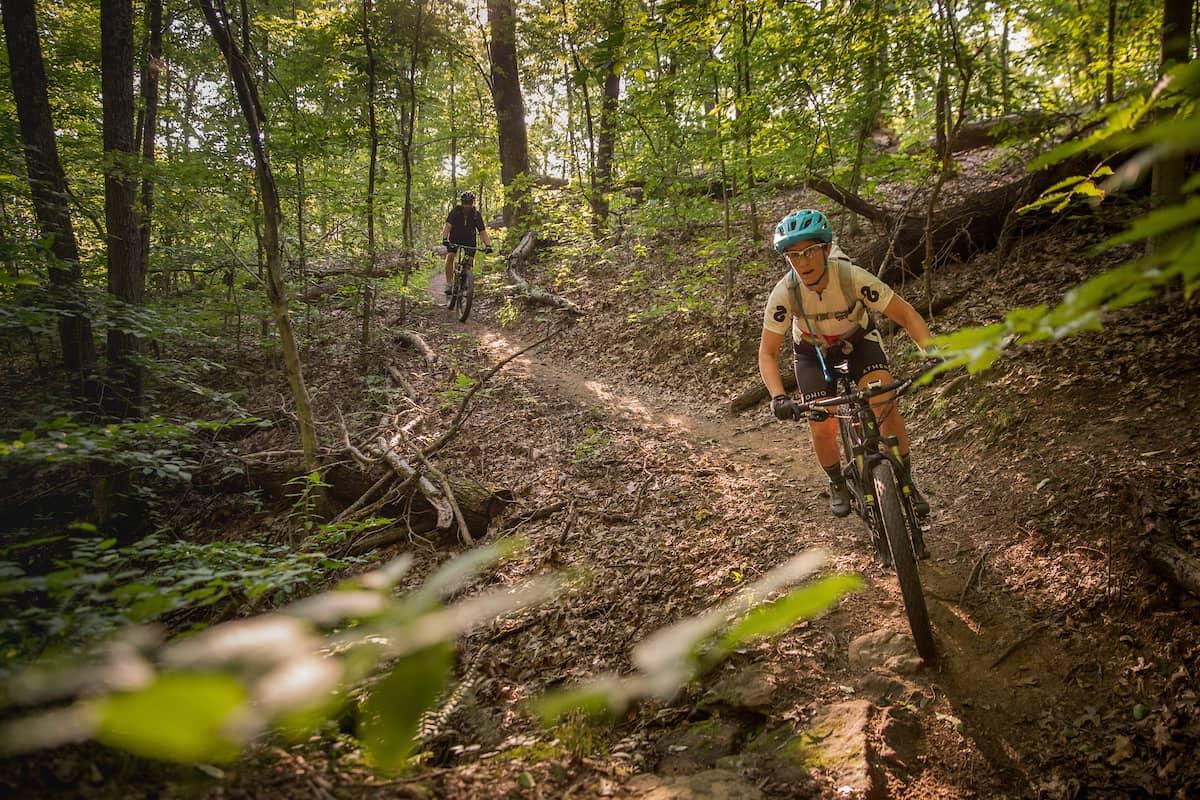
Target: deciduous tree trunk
point(126, 271)
point(243, 84)
point(608, 113)
point(147, 128)
point(1169, 173)
point(373, 133)
point(48, 186)
point(510, 109)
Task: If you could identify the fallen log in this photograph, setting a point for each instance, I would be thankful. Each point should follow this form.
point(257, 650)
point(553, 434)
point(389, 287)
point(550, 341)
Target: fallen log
point(1173, 563)
point(349, 484)
point(479, 505)
point(432, 494)
point(991, 132)
point(959, 231)
point(521, 253)
point(755, 395)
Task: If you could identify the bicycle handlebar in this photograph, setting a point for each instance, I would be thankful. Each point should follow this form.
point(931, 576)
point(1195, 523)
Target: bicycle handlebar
point(899, 387)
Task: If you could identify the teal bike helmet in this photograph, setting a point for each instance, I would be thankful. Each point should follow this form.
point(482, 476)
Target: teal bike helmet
point(807, 223)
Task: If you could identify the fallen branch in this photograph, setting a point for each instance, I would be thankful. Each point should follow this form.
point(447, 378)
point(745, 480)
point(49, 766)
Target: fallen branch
point(415, 341)
point(1173, 563)
point(977, 569)
point(464, 534)
point(533, 515)
point(402, 382)
point(1012, 648)
point(522, 288)
point(533, 294)
point(445, 514)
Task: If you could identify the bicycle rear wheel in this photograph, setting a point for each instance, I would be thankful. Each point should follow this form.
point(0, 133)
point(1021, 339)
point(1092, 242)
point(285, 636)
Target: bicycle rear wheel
point(466, 293)
point(895, 526)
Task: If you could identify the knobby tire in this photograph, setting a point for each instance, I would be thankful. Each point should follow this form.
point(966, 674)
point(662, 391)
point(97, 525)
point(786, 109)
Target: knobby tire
point(887, 494)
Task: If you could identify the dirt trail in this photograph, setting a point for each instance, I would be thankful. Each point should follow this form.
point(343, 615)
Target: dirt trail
point(998, 674)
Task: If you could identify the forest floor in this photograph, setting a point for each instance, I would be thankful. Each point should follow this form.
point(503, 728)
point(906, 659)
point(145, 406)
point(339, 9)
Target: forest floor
point(1067, 669)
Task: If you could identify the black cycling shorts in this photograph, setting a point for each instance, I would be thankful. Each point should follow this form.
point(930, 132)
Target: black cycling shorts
point(866, 355)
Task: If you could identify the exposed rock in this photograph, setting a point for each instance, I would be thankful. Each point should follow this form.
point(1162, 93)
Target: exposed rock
point(835, 743)
point(713, 784)
point(886, 650)
point(749, 688)
point(698, 746)
point(898, 733)
point(885, 688)
point(772, 755)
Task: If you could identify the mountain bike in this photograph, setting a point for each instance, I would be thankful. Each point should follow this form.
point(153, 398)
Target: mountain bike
point(880, 489)
point(462, 290)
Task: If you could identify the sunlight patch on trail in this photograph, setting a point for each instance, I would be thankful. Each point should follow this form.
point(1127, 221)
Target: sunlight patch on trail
point(591, 389)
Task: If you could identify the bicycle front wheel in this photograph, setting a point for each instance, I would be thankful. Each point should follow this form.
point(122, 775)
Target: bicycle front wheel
point(887, 493)
point(466, 293)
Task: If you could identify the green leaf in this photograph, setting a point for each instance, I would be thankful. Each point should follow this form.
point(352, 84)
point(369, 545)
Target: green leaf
point(392, 711)
point(180, 717)
point(969, 337)
point(1157, 222)
point(150, 608)
point(800, 603)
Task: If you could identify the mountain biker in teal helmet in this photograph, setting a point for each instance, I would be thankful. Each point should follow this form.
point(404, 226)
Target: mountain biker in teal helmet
point(826, 298)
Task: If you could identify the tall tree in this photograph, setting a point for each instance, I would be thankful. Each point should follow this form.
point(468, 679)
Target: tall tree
point(372, 166)
point(126, 271)
point(242, 78)
point(510, 110)
point(48, 185)
point(611, 56)
point(147, 128)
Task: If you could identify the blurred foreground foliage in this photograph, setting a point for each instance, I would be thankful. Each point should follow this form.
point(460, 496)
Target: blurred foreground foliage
point(283, 674)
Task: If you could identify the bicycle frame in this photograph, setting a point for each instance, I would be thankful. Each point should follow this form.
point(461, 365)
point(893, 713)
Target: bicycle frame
point(875, 467)
point(864, 447)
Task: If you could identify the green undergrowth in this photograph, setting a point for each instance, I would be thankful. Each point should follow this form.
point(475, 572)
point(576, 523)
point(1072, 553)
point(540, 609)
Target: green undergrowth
point(98, 587)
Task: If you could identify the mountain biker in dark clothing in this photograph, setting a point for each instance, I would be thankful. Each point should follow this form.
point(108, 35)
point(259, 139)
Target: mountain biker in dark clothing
point(461, 223)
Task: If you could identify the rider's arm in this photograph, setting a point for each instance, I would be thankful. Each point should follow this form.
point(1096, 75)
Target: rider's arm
point(901, 312)
point(446, 231)
point(768, 361)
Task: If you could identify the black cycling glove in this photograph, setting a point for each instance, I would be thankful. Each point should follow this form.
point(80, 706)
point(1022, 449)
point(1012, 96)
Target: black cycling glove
point(783, 407)
point(487, 249)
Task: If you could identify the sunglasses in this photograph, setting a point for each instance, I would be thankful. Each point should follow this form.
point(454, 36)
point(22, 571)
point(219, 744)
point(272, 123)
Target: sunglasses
point(799, 255)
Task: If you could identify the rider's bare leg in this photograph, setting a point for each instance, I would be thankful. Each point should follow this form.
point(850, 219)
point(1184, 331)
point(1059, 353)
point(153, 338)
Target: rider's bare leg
point(449, 266)
point(825, 441)
point(887, 410)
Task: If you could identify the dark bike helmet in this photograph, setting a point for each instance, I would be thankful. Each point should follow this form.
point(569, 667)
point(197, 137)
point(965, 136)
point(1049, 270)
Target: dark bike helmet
point(467, 199)
point(807, 223)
